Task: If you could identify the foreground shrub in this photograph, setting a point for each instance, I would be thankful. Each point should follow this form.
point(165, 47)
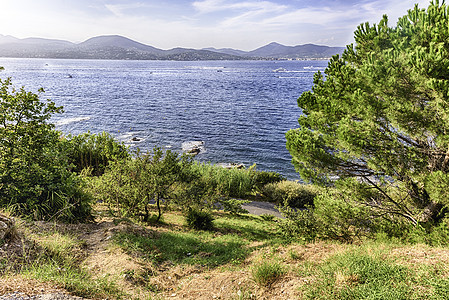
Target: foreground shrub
point(262, 178)
point(35, 180)
point(133, 185)
point(267, 272)
point(290, 193)
point(332, 217)
point(199, 219)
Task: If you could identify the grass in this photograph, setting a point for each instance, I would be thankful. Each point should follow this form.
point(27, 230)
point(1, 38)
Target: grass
point(371, 272)
point(267, 272)
point(73, 279)
point(237, 182)
point(191, 248)
point(243, 257)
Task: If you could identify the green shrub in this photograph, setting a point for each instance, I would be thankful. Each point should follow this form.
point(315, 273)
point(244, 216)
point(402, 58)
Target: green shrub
point(193, 190)
point(262, 178)
point(332, 217)
point(234, 206)
point(199, 219)
point(35, 180)
point(298, 223)
point(267, 272)
point(132, 186)
point(94, 151)
point(290, 193)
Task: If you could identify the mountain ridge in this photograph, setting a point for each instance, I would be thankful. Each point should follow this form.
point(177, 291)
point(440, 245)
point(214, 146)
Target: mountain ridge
point(123, 48)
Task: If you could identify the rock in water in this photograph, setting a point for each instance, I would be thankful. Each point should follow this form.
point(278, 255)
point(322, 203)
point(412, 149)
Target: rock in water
point(193, 147)
point(6, 226)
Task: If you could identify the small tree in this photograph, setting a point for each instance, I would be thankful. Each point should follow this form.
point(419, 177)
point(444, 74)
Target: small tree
point(160, 171)
point(378, 121)
point(133, 185)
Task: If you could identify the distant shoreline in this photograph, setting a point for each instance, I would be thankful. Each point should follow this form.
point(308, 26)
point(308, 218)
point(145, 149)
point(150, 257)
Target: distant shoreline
point(116, 59)
point(115, 47)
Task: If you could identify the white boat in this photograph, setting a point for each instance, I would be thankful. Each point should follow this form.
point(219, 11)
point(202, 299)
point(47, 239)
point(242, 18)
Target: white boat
point(280, 70)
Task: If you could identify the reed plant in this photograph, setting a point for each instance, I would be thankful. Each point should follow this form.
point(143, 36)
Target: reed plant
point(234, 182)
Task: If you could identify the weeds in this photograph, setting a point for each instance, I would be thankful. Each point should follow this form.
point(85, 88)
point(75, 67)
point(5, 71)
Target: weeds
point(267, 272)
point(199, 220)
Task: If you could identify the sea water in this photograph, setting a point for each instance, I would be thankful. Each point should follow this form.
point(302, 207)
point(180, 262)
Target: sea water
point(241, 110)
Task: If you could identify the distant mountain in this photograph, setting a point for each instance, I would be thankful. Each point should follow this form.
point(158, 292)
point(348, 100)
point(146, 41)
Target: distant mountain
point(275, 50)
point(279, 51)
point(30, 47)
point(228, 51)
point(116, 41)
point(5, 39)
point(119, 47)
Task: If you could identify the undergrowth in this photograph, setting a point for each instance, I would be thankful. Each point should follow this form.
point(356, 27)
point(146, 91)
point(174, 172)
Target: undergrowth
point(248, 250)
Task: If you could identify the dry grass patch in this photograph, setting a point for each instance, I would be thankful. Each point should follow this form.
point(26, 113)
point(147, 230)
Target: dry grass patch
point(420, 255)
point(18, 283)
point(312, 252)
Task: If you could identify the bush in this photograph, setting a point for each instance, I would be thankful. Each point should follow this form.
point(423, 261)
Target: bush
point(132, 186)
point(199, 219)
point(334, 216)
point(35, 180)
point(267, 273)
point(262, 178)
point(290, 193)
point(298, 223)
point(94, 151)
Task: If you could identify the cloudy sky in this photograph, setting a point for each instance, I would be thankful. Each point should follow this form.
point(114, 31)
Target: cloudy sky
point(242, 24)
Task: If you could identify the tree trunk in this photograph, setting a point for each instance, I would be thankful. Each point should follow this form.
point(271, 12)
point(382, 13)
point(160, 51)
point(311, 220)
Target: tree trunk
point(158, 207)
point(6, 227)
point(431, 212)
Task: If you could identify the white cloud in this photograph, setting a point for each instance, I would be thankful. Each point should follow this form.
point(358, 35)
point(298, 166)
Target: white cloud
point(120, 10)
point(209, 6)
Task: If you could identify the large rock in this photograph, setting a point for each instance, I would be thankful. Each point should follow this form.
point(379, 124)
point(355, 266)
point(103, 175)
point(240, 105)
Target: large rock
point(6, 226)
point(193, 147)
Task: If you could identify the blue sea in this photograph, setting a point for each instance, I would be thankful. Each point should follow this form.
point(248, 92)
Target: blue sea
point(240, 109)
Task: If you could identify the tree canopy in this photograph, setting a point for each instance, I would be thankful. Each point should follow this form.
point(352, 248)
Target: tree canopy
point(378, 118)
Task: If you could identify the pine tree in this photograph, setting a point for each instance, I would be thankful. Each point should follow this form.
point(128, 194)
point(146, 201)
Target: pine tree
point(377, 121)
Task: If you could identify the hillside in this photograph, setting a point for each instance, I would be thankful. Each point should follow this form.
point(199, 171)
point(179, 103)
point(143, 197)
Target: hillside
point(279, 51)
point(244, 257)
point(122, 48)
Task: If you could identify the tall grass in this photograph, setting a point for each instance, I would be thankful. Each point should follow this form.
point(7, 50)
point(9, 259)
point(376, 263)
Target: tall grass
point(94, 151)
point(237, 183)
point(267, 272)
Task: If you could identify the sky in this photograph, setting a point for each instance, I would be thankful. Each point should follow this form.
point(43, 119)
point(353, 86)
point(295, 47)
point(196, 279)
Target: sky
point(238, 24)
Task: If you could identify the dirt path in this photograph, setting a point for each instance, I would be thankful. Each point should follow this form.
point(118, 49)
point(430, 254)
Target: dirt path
point(99, 259)
point(260, 208)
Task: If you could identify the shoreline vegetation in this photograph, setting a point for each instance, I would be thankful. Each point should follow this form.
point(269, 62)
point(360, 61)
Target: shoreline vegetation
point(83, 215)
